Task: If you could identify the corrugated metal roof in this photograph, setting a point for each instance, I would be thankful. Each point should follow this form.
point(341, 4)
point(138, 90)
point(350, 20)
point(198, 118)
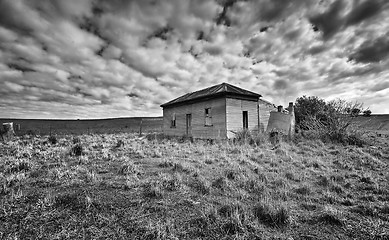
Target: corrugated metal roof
point(220, 89)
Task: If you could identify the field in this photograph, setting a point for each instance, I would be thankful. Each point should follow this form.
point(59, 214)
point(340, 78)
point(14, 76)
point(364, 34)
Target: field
point(97, 126)
point(378, 124)
point(121, 186)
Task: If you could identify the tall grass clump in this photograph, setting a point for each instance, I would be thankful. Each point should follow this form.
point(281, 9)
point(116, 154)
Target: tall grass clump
point(271, 214)
point(245, 136)
point(329, 121)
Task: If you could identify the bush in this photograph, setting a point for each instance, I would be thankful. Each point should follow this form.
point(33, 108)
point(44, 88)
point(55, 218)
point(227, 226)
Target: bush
point(76, 150)
point(330, 122)
point(52, 139)
point(367, 113)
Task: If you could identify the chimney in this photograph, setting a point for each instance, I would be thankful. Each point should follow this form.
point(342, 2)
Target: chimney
point(290, 107)
point(279, 108)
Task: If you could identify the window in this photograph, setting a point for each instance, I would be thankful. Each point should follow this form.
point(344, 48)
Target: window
point(208, 117)
point(173, 122)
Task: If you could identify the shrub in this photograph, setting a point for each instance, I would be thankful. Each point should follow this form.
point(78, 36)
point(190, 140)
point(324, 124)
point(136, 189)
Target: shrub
point(76, 150)
point(367, 113)
point(330, 122)
point(52, 139)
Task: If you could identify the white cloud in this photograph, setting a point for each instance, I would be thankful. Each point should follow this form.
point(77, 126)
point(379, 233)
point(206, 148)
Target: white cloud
point(97, 59)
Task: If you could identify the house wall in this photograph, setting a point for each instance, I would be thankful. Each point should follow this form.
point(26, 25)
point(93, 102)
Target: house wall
point(234, 111)
point(264, 113)
point(199, 130)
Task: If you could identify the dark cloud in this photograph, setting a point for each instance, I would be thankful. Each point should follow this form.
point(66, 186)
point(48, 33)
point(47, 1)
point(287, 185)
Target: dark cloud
point(280, 85)
point(223, 18)
point(20, 66)
point(316, 49)
point(336, 18)
point(133, 95)
point(330, 21)
point(264, 29)
point(273, 10)
point(337, 76)
point(292, 35)
point(17, 16)
point(365, 10)
point(213, 49)
point(372, 50)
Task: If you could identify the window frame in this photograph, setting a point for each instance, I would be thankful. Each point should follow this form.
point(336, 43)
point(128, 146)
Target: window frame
point(173, 121)
point(208, 116)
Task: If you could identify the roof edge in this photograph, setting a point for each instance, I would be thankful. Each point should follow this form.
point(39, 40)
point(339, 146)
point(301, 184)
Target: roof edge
point(209, 97)
point(239, 92)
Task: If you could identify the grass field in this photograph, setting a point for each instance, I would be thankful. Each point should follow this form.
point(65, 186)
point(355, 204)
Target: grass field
point(85, 126)
point(120, 186)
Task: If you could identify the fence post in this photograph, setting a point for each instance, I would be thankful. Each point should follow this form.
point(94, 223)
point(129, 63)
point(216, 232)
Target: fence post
point(140, 127)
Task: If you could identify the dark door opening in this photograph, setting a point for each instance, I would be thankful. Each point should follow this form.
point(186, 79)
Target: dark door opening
point(189, 124)
point(245, 120)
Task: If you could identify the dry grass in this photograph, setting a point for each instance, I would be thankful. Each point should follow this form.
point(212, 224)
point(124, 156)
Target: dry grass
point(124, 187)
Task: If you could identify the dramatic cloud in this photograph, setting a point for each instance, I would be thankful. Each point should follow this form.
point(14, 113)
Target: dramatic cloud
point(115, 58)
point(372, 51)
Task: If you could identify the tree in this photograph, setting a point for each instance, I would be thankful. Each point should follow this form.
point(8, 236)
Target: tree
point(309, 107)
point(367, 113)
point(329, 121)
point(355, 111)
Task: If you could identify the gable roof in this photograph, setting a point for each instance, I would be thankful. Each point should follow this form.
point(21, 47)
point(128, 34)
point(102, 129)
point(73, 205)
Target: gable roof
point(222, 89)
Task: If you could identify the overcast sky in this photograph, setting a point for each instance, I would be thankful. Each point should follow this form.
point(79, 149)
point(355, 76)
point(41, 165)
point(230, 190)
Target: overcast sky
point(118, 58)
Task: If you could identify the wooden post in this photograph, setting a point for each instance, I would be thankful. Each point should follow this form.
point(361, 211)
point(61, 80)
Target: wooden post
point(7, 133)
point(140, 127)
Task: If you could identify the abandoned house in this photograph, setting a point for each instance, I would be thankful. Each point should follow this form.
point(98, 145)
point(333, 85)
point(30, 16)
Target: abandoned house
point(217, 112)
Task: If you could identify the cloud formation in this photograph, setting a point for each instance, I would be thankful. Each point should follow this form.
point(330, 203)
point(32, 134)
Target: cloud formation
point(101, 59)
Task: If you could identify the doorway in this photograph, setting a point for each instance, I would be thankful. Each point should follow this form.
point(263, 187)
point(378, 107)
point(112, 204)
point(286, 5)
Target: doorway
point(189, 124)
point(245, 120)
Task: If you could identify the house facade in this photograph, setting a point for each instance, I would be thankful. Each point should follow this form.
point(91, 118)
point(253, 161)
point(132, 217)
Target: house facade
point(217, 112)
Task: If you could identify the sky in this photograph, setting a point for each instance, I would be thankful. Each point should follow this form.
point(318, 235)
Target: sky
point(79, 59)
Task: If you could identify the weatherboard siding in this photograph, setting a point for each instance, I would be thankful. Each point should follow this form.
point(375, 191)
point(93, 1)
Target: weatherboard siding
point(264, 113)
point(199, 130)
point(234, 112)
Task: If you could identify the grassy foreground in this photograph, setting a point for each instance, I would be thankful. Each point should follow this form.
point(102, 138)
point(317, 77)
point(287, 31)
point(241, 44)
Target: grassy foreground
point(123, 187)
